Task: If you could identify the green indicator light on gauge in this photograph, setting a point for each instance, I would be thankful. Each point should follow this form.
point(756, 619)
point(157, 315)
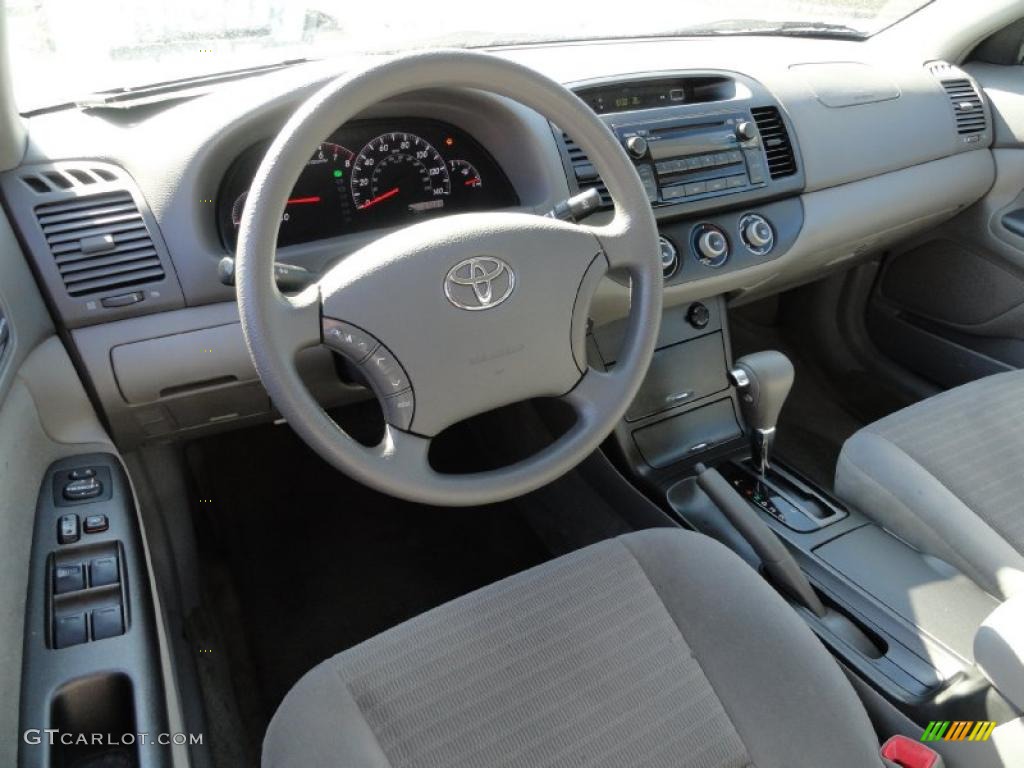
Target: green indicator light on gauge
point(338, 174)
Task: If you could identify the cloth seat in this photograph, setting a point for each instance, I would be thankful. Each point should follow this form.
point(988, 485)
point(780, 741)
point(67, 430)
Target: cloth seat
point(658, 648)
point(947, 476)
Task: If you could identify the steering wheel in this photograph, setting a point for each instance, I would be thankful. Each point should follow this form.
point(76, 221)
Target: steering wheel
point(458, 315)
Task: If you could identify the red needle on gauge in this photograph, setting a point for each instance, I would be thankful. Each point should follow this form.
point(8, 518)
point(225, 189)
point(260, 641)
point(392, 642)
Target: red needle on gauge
point(379, 198)
point(304, 200)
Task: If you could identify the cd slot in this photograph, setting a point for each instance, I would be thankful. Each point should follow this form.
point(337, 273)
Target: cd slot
point(691, 143)
point(688, 128)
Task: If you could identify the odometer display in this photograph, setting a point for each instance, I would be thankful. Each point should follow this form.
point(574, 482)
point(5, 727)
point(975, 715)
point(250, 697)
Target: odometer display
point(395, 171)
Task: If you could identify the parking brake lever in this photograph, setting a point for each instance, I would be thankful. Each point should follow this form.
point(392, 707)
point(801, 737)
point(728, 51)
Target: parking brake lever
point(778, 563)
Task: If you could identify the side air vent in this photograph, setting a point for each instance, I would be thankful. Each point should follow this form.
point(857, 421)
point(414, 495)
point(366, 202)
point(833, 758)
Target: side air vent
point(99, 242)
point(583, 169)
point(775, 137)
point(968, 108)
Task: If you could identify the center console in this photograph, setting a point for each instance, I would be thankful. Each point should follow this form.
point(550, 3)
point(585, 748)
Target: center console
point(903, 621)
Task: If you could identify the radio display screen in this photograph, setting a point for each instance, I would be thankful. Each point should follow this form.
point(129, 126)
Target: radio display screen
point(624, 98)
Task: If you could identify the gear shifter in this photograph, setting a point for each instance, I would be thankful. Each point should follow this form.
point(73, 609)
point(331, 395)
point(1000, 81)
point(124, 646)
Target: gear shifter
point(763, 380)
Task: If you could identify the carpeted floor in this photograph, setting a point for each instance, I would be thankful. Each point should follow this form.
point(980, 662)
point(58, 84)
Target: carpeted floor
point(302, 562)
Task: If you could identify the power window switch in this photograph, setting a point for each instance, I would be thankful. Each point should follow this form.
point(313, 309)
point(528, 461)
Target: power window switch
point(107, 622)
point(82, 474)
point(95, 524)
point(68, 531)
point(103, 571)
point(68, 578)
point(69, 630)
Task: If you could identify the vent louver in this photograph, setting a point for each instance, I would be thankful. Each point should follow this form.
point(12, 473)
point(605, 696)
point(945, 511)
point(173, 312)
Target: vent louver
point(66, 177)
point(583, 169)
point(968, 108)
point(99, 242)
point(775, 138)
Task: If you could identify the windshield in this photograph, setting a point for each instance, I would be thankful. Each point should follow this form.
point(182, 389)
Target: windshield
point(64, 49)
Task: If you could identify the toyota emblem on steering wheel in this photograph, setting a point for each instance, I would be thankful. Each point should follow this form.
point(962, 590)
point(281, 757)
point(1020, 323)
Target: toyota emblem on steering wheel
point(482, 282)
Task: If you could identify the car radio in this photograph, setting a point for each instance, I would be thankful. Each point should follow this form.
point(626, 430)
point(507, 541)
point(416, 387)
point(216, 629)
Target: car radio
point(682, 159)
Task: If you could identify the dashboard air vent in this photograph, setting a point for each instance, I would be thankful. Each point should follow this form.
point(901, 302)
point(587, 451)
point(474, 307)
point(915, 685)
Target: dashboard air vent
point(967, 106)
point(775, 137)
point(583, 169)
point(99, 242)
point(65, 178)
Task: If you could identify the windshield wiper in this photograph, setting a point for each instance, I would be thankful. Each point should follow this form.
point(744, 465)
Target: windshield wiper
point(790, 28)
point(123, 98)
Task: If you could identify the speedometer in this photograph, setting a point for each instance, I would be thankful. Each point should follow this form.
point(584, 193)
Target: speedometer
point(399, 172)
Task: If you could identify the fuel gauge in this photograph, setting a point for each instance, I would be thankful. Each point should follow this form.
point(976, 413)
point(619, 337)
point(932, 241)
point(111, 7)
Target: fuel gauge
point(464, 174)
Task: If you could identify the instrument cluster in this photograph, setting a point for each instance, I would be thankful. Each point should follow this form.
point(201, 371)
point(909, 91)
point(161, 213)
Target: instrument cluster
point(371, 174)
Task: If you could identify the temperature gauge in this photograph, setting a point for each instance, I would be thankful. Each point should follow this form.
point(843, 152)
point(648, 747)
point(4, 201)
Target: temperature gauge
point(464, 174)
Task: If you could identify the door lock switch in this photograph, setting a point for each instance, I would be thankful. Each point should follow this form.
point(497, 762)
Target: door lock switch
point(95, 524)
point(68, 531)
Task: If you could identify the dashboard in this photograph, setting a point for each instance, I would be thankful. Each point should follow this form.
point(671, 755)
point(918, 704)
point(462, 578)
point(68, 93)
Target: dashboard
point(768, 163)
point(374, 174)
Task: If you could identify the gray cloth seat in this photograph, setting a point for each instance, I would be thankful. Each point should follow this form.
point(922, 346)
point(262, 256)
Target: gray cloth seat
point(659, 648)
point(947, 476)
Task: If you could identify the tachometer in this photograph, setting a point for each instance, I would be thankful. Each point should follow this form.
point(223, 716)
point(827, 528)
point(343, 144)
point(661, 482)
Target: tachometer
point(399, 171)
point(338, 157)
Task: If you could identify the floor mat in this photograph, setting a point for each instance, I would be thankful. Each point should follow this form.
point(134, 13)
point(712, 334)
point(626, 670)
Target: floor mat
point(319, 563)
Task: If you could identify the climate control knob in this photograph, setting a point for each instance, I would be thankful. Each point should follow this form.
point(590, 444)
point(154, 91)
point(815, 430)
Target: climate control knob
point(711, 245)
point(757, 234)
point(669, 257)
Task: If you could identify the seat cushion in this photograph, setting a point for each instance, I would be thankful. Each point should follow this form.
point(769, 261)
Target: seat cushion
point(947, 475)
point(659, 648)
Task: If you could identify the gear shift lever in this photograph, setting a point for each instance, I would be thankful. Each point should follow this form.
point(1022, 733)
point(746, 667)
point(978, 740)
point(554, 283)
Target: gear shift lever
point(763, 380)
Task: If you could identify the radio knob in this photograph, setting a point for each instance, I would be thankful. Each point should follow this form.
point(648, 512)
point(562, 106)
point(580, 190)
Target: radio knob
point(757, 233)
point(745, 131)
point(636, 146)
point(712, 246)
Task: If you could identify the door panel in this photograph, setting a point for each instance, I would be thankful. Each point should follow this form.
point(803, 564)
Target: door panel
point(44, 415)
point(949, 306)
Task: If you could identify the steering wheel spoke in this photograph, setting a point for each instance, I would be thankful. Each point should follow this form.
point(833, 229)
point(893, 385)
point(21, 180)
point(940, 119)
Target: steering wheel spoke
point(621, 247)
point(595, 391)
point(295, 324)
